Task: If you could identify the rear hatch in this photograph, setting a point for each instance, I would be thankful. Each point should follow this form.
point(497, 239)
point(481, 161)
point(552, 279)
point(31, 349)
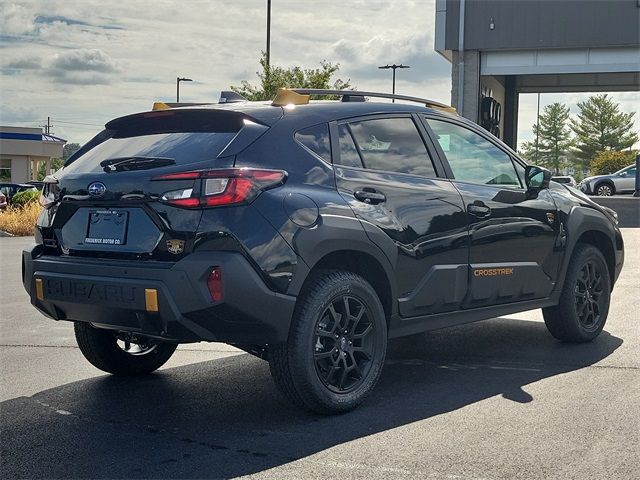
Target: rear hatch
point(120, 195)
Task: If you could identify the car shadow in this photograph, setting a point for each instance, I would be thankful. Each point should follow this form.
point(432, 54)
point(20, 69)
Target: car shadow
point(224, 418)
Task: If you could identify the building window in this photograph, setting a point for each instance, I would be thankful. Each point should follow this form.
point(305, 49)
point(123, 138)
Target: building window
point(5, 170)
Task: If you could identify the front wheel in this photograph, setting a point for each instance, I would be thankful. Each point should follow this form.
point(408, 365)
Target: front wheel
point(584, 302)
point(337, 344)
point(604, 190)
point(121, 356)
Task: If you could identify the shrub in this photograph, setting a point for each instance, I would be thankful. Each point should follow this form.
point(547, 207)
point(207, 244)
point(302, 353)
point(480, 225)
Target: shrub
point(20, 220)
point(610, 162)
point(20, 199)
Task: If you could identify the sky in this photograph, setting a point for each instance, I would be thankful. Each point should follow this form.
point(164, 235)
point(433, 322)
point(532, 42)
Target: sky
point(85, 62)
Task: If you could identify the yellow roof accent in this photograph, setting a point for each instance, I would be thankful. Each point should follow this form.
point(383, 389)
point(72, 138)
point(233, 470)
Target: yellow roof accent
point(443, 108)
point(160, 106)
point(289, 97)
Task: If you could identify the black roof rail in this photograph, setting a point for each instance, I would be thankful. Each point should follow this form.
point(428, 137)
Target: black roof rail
point(347, 94)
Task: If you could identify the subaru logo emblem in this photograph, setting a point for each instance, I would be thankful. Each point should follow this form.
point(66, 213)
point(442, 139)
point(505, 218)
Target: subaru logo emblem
point(97, 189)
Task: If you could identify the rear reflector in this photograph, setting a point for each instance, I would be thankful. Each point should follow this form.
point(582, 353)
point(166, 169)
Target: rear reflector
point(214, 284)
point(39, 289)
point(151, 299)
point(221, 187)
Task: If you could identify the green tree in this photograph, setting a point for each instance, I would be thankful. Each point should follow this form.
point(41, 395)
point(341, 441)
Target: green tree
point(272, 78)
point(553, 138)
point(601, 127)
point(610, 162)
point(56, 164)
point(69, 149)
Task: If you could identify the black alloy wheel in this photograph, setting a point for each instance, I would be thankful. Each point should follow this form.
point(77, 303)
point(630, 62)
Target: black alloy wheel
point(337, 343)
point(583, 306)
point(344, 346)
point(589, 295)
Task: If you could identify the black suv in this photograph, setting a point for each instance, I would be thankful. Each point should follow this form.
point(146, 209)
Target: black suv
point(308, 233)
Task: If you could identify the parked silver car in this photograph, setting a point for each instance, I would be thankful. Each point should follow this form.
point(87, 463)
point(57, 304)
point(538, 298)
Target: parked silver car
point(623, 181)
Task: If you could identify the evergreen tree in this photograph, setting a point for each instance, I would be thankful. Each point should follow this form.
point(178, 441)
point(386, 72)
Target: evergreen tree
point(601, 126)
point(553, 138)
point(272, 78)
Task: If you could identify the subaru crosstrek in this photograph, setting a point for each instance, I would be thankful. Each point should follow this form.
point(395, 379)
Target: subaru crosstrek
point(308, 233)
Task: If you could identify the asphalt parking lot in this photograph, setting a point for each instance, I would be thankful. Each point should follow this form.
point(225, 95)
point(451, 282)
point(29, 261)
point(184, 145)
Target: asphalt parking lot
point(495, 399)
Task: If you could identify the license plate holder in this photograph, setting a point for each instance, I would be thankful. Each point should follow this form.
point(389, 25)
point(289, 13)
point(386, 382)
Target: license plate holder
point(107, 227)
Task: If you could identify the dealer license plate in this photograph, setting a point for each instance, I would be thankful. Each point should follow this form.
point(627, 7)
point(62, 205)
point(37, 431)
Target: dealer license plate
point(107, 227)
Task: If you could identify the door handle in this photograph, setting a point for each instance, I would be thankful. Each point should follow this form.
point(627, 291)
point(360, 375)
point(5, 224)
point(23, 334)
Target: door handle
point(479, 209)
point(370, 196)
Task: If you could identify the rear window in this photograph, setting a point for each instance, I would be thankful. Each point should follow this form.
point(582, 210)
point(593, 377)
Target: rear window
point(183, 147)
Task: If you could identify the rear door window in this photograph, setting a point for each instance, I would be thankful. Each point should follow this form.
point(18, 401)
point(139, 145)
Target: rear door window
point(388, 144)
point(349, 155)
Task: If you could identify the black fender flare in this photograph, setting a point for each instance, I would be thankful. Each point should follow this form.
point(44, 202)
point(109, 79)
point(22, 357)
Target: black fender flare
point(580, 221)
point(335, 233)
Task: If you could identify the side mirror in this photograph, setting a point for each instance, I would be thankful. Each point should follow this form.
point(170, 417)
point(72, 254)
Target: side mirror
point(623, 174)
point(536, 178)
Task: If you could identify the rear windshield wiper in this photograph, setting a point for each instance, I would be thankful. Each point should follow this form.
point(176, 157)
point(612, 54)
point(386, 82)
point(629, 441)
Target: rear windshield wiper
point(120, 164)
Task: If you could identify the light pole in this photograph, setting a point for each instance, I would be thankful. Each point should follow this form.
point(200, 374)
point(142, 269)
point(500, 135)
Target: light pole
point(394, 67)
point(178, 80)
point(268, 34)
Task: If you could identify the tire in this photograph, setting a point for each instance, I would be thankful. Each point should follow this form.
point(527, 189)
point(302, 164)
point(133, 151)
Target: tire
point(582, 311)
point(604, 189)
point(332, 361)
point(102, 350)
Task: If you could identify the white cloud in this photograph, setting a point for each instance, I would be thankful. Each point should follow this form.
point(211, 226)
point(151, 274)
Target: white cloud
point(16, 114)
point(16, 18)
point(24, 63)
point(83, 67)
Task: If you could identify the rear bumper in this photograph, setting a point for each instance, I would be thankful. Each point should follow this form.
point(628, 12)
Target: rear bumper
point(111, 294)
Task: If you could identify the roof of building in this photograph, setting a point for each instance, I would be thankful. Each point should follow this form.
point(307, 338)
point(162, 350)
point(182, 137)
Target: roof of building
point(37, 137)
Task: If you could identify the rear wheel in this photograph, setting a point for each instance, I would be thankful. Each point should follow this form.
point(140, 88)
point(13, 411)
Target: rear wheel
point(121, 355)
point(584, 302)
point(604, 190)
point(336, 347)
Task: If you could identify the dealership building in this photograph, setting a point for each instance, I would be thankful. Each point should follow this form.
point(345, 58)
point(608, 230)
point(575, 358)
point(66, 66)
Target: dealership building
point(24, 150)
point(499, 49)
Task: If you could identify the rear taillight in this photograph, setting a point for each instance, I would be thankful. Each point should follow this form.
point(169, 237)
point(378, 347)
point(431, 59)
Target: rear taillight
point(220, 187)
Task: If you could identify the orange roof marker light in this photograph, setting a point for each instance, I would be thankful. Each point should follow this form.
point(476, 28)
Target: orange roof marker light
point(286, 97)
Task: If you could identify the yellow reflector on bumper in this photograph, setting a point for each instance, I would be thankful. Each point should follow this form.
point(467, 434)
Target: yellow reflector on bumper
point(39, 289)
point(151, 299)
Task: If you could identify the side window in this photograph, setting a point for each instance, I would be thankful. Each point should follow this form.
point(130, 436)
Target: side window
point(473, 158)
point(392, 144)
point(316, 139)
point(349, 155)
